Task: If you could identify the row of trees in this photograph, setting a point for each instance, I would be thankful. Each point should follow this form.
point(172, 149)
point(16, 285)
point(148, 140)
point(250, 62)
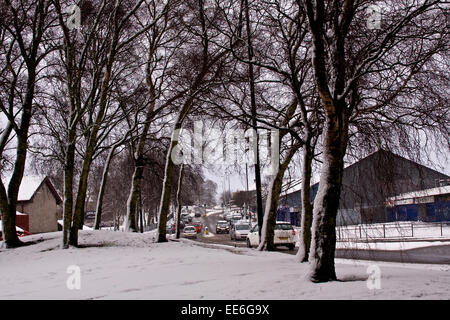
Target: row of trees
point(80, 86)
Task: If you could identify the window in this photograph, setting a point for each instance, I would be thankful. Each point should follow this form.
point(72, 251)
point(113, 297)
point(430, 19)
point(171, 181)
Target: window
point(283, 227)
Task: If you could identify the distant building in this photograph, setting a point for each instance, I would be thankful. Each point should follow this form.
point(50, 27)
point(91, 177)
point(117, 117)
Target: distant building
point(367, 184)
point(39, 200)
point(430, 205)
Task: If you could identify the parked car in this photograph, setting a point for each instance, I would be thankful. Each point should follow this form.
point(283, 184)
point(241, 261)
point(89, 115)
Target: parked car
point(186, 218)
point(198, 226)
point(227, 215)
point(235, 218)
point(284, 235)
point(189, 232)
point(222, 226)
point(171, 228)
point(239, 231)
point(198, 211)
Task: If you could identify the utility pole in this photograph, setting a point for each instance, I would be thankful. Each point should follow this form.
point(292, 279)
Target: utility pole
point(246, 208)
point(229, 190)
point(251, 78)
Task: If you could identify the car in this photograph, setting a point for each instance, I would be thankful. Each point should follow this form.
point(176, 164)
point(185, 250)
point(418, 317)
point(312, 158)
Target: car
point(227, 215)
point(284, 235)
point(189, 232)
point(235, 218)
point(90, 215)
point(171, 228)
point(198, 226)
point(239, 231)
point(222, 226)
point(186, 218)
point(198, 212)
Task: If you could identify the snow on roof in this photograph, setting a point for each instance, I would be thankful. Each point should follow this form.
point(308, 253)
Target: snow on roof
point(28, 186)
point(422, 193)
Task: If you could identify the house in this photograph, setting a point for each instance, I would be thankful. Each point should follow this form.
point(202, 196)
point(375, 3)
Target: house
point(39, 200)
point(367, 184)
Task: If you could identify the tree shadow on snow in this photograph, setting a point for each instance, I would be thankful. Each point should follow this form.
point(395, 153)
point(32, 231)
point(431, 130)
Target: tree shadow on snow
point(353, 278)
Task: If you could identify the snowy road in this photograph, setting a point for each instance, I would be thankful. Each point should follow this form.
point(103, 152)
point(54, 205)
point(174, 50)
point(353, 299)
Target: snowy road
point(425, 252)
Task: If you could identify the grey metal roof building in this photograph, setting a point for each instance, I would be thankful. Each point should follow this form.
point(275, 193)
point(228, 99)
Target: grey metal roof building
point(367, 184)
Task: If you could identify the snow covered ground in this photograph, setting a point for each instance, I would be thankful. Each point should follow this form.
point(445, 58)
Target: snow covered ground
point(117, 265)
point(213, 211)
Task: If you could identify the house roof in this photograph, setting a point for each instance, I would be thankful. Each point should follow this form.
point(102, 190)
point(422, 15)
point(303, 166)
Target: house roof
point(29, 186)
point(295, 185)
point(390, 155)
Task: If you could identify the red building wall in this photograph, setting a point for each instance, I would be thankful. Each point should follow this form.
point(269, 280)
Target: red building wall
point(22, 221)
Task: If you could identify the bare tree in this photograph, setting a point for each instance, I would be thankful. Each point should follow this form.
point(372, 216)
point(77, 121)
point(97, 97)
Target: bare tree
point(161, 37)
point(205, 72)
point(347, 57)
point(24, 46)
point(94, 113)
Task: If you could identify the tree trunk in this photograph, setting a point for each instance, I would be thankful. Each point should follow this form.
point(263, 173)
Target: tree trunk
point(167, 184)
point(307, 208)
point(9, 215)
point(180, 183)
point(270, 216)
point(68, 189)
point(326, 204)
point(9, 227)
point(101, 194)
point(259, 201)
point(130, 222)
point(78, 216)
point(268, 231)
point(251, 76)
point(141, 222)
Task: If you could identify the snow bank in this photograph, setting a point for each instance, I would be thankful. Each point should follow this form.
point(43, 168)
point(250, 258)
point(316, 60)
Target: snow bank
point(117, 265)
point(212, 212)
